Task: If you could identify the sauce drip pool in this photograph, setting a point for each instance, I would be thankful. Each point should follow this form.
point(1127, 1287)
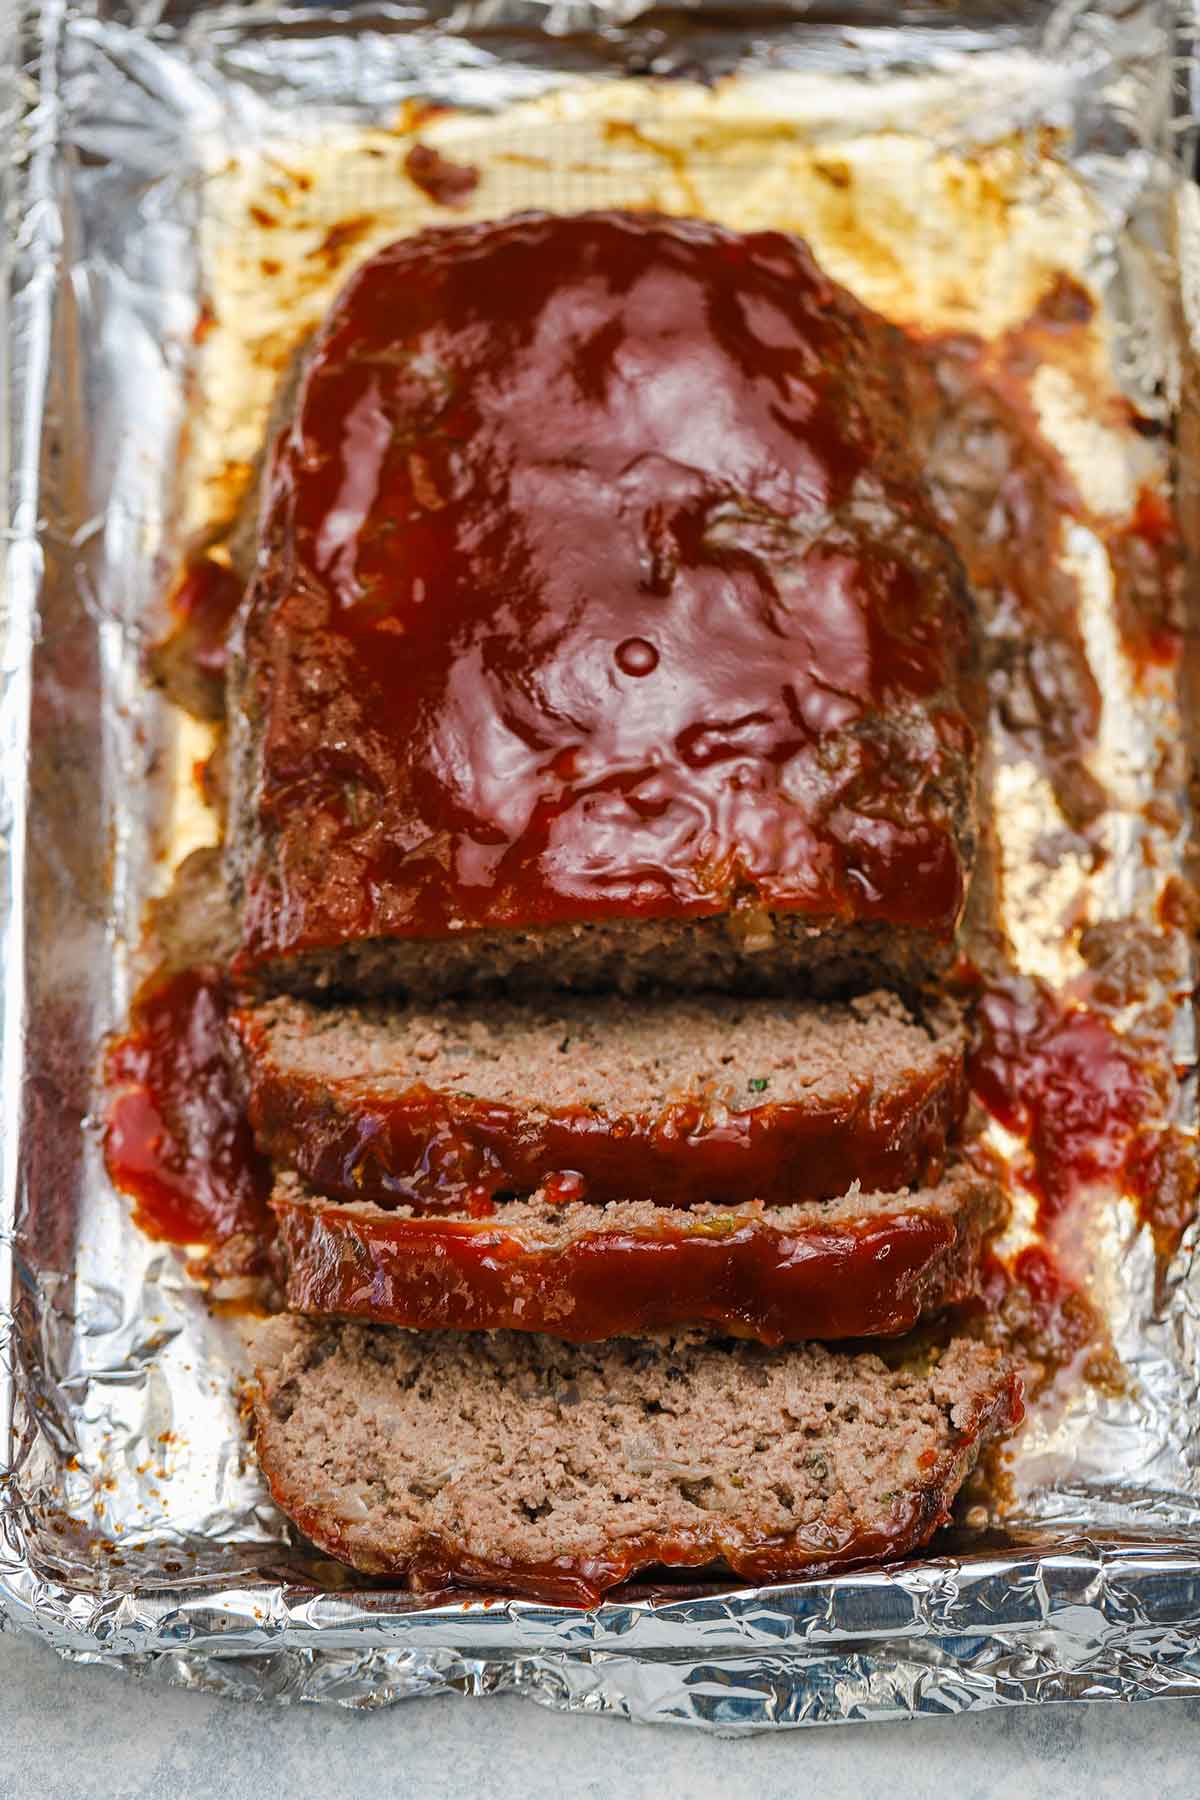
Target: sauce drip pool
point(178, 1142)
point(1060, 1078)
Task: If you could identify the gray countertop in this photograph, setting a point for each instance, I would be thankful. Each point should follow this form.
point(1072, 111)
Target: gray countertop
point(93, 1734)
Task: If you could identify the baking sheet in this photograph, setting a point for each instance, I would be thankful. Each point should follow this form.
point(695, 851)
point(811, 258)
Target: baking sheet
point(163, 155)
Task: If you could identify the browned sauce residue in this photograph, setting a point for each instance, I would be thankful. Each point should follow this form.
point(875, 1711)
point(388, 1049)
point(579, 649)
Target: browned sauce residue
point(415, 113)
point(1148, 563)
point(190, 660)
point(446, 183)
point(1002, 492)
point(1042, 1315)
point(676, 156)
point(341, 238)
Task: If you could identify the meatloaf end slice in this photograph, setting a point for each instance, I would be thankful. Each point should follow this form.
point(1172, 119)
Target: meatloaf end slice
point(523, 1465)
point(868, 1265)
point(679, 1101)
point(601, 631)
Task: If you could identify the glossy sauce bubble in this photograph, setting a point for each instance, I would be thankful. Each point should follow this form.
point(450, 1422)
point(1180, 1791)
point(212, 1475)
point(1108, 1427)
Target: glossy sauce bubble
point(636, 657)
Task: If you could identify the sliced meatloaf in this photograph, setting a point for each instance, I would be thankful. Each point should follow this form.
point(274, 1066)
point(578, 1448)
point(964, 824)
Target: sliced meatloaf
point(677, 1101)
point(523, 1465)
point(600, 630)
point(868, 1265)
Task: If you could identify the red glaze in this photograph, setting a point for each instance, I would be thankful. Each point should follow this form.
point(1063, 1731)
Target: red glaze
point(596, 581)
point(779, 1283)
point(446, 183)
point(206, 601)
point(177, 1139)
point(192, 658)
point(717, 1544)
point(427, 1149)
point(1060, 1078)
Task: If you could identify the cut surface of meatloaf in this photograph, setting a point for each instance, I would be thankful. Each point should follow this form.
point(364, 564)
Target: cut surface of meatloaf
point(600, 631)
point(677, 1101)
point(868, 1265)
point(520, 1464)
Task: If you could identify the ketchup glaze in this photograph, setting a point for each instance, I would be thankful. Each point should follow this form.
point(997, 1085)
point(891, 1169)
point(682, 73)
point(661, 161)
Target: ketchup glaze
point(596, 582)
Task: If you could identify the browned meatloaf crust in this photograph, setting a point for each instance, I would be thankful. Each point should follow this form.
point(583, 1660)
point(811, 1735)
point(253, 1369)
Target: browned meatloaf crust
point(524, 1465)
point(677, 1101)
point(868, 1265)
point(601, 632)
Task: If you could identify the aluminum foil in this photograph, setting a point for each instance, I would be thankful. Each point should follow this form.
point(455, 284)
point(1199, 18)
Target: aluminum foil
point(174, 174)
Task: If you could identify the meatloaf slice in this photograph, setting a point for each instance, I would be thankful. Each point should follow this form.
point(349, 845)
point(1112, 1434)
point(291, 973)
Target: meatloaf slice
point(600, 631)
point(868, 1265)
point(676, 1101)
point(520, 1464)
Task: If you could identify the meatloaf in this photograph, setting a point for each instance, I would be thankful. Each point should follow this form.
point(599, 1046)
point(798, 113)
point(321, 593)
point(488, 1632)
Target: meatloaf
point(600, 631)
point(523, 1465)
point(868, 1265)
point(675, 1101)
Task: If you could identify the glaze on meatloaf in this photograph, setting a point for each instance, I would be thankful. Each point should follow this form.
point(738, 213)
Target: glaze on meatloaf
point(675, 1101)
point(868, 1265)
point(601, 632)
point(527, 1466)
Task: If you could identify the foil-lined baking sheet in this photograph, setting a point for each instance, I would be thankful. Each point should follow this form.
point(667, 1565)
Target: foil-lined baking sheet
point(188, 187)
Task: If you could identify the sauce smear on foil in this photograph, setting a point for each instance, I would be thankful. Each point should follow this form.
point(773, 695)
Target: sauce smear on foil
point(1059, 1077)
point(1088, 1112)
point(178, 1141)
